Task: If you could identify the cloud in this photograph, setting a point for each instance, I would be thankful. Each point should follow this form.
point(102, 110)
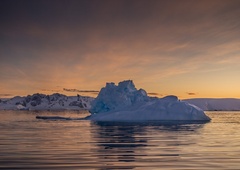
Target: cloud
point(191, 93)
point(81, 91)
point(5, 95)
point(49, 90)
point(154, 94)
point(149, 42)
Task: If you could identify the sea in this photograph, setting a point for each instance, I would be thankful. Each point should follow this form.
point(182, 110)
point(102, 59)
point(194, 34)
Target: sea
point(30, 143)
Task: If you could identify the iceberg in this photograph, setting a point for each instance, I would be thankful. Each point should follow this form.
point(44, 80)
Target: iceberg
point(123, 102)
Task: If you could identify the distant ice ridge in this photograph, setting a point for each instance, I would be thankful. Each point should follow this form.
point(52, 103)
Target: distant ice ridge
point(123, 102)
point(210, 104)
point(55, 101)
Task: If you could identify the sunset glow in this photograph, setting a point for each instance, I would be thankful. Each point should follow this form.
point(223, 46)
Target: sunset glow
point(187, 48)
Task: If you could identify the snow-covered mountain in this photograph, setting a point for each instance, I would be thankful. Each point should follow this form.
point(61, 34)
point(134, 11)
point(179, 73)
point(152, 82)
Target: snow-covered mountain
point(55, 101)
point(211, 104)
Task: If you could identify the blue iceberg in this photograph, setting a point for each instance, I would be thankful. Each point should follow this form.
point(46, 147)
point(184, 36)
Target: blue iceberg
point(123, 102)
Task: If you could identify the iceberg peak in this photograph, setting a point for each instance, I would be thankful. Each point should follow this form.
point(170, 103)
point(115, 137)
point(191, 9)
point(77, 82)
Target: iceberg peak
point(115, 97)
point(127, 86)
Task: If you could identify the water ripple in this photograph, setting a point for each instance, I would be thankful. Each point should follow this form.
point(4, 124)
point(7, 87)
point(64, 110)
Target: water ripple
point(28, 143)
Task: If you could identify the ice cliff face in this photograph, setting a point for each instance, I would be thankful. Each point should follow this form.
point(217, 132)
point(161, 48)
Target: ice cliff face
point(123, 102)
point(46, 102)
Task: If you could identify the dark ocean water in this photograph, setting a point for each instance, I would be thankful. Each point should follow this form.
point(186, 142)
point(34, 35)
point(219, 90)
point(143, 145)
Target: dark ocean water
point(30, 143)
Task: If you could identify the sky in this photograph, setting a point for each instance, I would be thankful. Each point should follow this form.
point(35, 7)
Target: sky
point(188, 48)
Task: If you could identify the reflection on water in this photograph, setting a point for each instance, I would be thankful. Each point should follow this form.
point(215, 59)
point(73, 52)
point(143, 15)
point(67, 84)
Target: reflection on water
point(148, 144)
point(29, 143)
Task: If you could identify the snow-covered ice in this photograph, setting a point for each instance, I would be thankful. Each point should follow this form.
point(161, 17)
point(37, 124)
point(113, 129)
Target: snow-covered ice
point(214, 104)
point(123, 102)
